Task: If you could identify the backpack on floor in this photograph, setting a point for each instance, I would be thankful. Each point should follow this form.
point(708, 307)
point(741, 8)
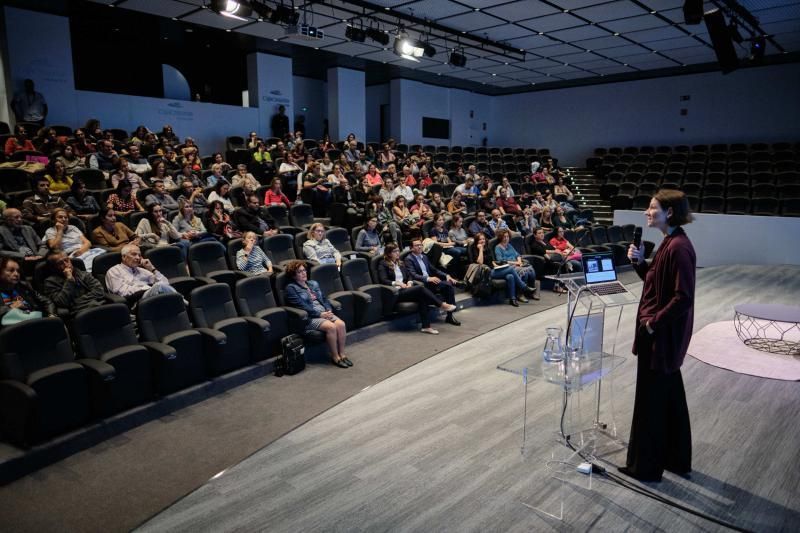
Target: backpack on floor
point(479, 280)
point(292, 359)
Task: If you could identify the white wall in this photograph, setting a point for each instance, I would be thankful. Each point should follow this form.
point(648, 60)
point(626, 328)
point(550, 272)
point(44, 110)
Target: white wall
point(731, 239)
point(310, 94)
point(756, 104)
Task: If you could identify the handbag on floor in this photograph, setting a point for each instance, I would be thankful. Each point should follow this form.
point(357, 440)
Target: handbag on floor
point(292, 359)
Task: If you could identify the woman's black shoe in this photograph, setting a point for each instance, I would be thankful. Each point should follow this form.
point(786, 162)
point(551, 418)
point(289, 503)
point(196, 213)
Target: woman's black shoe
point(513, 302)
point(339, 363)
point(347, 361)
point(452, 320)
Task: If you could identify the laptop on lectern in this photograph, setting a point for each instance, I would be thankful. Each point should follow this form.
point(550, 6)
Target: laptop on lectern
point(601, 278)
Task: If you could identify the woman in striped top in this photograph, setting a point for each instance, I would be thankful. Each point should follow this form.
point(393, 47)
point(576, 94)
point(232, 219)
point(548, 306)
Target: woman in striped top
point(251, 258)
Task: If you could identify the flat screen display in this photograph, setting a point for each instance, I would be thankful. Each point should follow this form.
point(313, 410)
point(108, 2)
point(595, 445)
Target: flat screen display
point(435, 128)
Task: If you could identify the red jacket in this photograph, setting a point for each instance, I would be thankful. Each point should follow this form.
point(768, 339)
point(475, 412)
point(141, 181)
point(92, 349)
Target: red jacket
point(273, 198)
point(667, 302)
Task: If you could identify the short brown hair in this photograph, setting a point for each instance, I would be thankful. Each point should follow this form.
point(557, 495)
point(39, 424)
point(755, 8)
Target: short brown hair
point(500, 233)
point(293, 266)
point(681, 213)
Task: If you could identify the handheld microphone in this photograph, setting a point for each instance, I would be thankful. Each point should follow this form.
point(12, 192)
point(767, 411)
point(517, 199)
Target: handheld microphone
point(637, 240)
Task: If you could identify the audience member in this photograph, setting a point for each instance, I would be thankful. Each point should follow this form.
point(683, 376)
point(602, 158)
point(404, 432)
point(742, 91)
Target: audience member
point(222, 193)
point(457, 206)
point(160, 173)
point(305, 294)
point(318, 248)
point(219, 222)
point(401, 189)
point(70, 288)
point(279, 123)
point(251, 258)
point(64, 236)
point(188, 224)
point(374, 177)
point(497, 222)
point(19, 141)
point(480, 253)
point(18, 240)
point(161, 197)
point(18, 300)
point(193, 194)
point(507, 187)
point(481, 225)
point(123, 173)
point(505, 253)
point(369, 238)
point(432, 278)
point(168, 135)
point(136, 278)
point(136, 162)
point(546, 219)
point(409, 223)
point(386, 157)
point(29, 105)
point(70, 160)
point(567, 250)
point(112, 234)
point(81, 146)
point(245, 180)
point(123, 201)
point(105, 158)
point(248, 218)
point(507, 204)
point(155, 230)
point(386, 192)
point(40, 206)
point(457, 233)
point(389, 227)
point(82, 202)
point(57, 176)
point(275, 196)
point(421, 208)
point(391, 271)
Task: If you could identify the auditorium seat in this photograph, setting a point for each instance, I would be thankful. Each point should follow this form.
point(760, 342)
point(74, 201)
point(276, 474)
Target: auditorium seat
point(299, 316)
point(107, 334)
point(356, 277)
point(713, 204)
point(44, 390)
point(254, 298)
point(208, 259)
point(765, 206)
point(737, 205)
point(169, 261)
point(247, 338)
point(353, 303)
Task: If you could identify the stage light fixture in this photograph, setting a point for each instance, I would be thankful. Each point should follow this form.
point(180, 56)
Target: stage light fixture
point(693, 11)
point(758, 47)
point(285, 15)
point(408, 48)
point(457, 58)
point(377, 35)
point(263, 11)
point(231, 9)
point(428, 50)
point(355, 34)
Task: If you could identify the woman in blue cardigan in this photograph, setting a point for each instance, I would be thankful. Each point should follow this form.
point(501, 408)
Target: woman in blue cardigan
point(306, 295)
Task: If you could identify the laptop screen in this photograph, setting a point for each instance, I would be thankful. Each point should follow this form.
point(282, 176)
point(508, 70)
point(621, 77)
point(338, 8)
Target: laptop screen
point(599, 267)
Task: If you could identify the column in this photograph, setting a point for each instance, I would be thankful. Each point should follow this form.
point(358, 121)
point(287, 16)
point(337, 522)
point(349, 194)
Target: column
point(270, 85)
point(347, 104)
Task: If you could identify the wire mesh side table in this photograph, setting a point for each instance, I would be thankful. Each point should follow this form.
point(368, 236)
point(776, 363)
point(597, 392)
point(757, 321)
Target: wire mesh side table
point(772, 328)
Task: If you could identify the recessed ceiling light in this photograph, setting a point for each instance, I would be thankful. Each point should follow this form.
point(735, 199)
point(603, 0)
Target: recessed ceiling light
point(653, 12)
point(228, 30)
point(174, 18)
point(533, 83)
point(506, 63)
point(165, 38)
point(463, 32)
point(566, 64)
point(624, 64)
point(655, 51)
point(493, 74)
point(588, 50)
point(616, 34)
point(541, 33)
point(276, 40)
point(188, 30)
point(316, 48)
point(477, 9)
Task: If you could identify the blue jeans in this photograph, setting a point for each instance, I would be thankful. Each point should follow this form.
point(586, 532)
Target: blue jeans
point(456, 252)
point(184, 245)
point(513, 281)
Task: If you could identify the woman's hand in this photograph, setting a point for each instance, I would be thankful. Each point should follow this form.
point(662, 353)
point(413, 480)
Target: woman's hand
point(636, 255)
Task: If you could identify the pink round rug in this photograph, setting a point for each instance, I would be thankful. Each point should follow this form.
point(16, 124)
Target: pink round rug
point(717, 344)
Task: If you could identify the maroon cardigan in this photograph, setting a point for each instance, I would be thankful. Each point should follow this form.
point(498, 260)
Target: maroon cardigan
point(667, 302)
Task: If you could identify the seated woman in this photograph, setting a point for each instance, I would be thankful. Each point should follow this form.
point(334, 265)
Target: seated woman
point(318, 248)
point(567, 250)
point(562, 189)
point(217, 159)
point(57, 176)
point(442, 236)
point(505, 253)
point(457, 206)
point(222, 193)
point(262, 159)
point(123, 173)
point(561, 220)
point(369, 238)
point(245, 180)
point(251, 258)
point(18, 300)
point(289, 172)
point(68, 238)
point(374, 177)
point(305, 294)
point(546, 219)
point(219, 222)
point(123, 201)
point(160, 173)
point(319, 187)
point(458, 235)
point(216, 177)
point(480, 253)
point(71, 161)
point(155, 230)
point(388, 227)
point(112, 234)
point(409, 224)
point(188, 224)
point(82, 202)
point(507, 186)
point(275, 196)
point(392, 271)
point(438, 206)
point(422, 209)
point(553, 259)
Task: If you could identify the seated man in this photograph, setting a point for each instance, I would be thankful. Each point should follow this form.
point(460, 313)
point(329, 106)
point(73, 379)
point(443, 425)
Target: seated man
point(497, 221)
point(137, 163)
point(193, 194)
point(434, 279)
point(249, 218)
point(70, 288)
point(105, 158)
point(469, 193)
point(20, 241)
point(481, 225)
point(40, 206)
point(136, 278)
point(161, 196)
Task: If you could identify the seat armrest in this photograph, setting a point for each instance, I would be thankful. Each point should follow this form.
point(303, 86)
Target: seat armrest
point(159, 350)
point(335, 304)
point(17, 402)
point(101, 382)
point(261, 324)
point(114, 298)
point(362, 297)
point(389, 299)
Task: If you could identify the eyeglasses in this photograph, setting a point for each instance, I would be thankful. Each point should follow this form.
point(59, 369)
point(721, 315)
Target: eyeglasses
point(301, 270)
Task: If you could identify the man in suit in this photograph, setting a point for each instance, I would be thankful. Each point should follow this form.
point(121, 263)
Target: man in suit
point(434, 279)
point(20, 241)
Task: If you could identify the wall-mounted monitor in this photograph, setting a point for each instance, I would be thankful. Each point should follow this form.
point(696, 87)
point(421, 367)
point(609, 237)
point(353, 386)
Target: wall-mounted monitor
point(435, 128)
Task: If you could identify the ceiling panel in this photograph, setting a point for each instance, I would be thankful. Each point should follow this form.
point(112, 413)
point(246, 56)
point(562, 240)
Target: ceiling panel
point(618, 69)
point(671, 44)
point(549, 23)
point(206, 17)
point(577, 58)
point(778, 14)
point(575, 4)
point(503, 32)
point(533, 41)
point(351, 49)
point(574, 75)
point(265, 30)
point(620, 51)
point(596, 64)
point(610, 11)
point(509, 83)
point(600, 43)
point(471, 21)
point(483, 4)
point(656, 34)
point(508, 70)
point(522, 10)
point(782, 27)
point(556, 50)
point(163, 8)
point(433, 9)
point(579, 34)
point(661, 5)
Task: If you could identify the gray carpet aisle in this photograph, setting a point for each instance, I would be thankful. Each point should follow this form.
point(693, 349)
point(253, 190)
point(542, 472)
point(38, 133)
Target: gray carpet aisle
point(436, 447)
point(122, 482)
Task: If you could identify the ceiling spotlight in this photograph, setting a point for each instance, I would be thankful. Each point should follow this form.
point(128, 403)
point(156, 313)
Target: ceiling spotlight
point(231, 9)
point(355, 34)
point(285, 15)
point(377, 35)
point(263, 11)
point(408, 48)
point(757, 47)
point(457, 58)
point(428, 50)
